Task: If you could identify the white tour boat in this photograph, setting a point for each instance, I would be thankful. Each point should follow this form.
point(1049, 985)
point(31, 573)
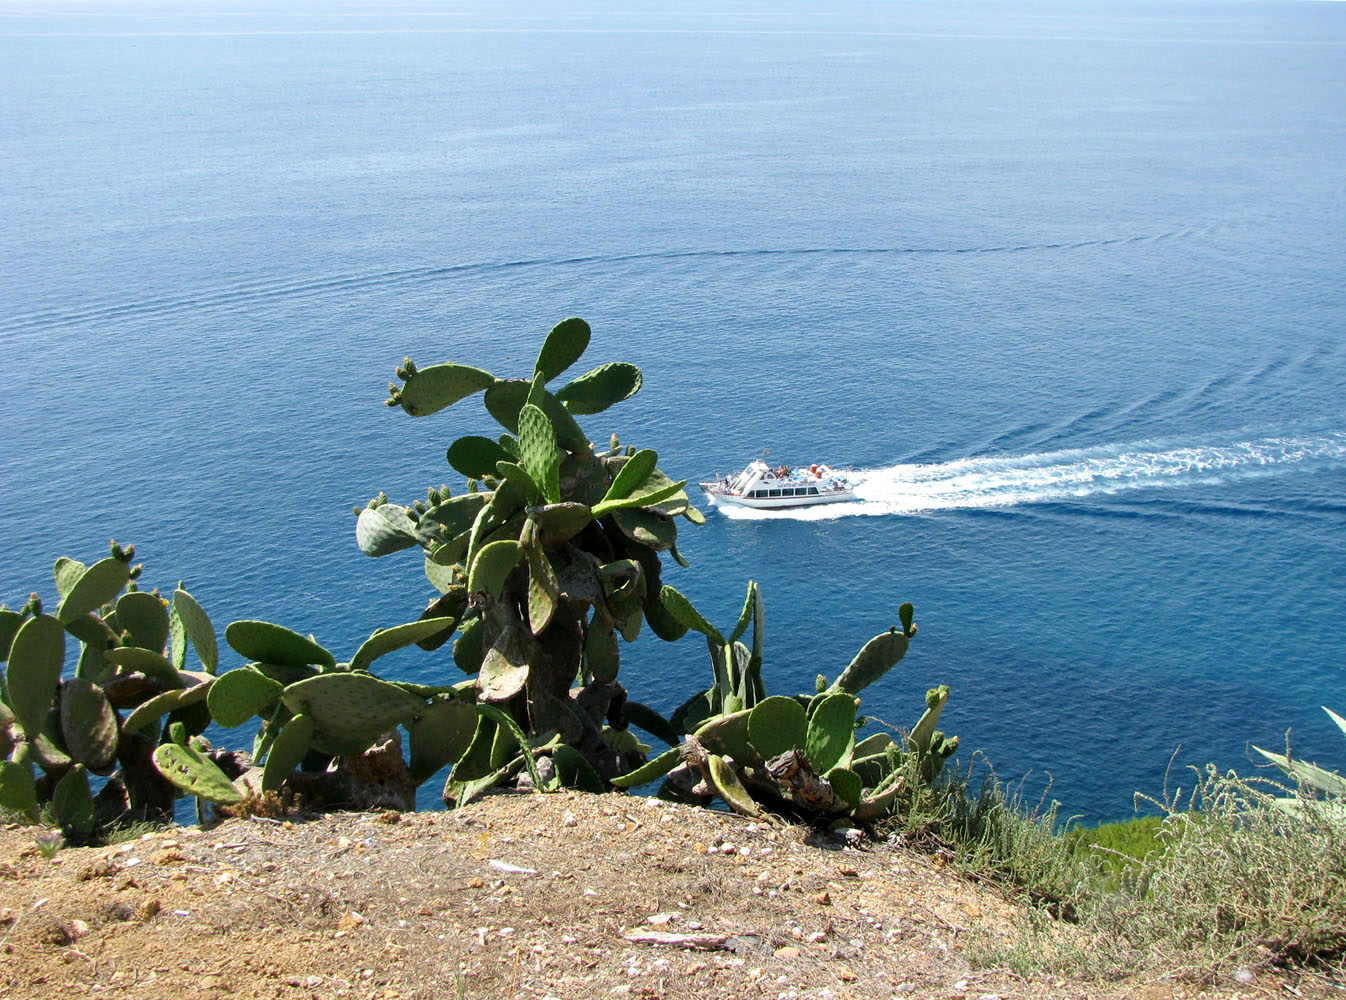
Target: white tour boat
point(774, 488)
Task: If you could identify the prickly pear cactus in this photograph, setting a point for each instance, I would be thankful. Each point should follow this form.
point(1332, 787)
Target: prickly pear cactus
point(553, 553)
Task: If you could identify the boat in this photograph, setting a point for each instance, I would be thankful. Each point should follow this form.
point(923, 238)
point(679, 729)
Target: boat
point(765, 487)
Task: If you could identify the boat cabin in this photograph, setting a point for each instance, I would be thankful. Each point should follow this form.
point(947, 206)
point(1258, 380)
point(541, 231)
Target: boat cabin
point(760, 481)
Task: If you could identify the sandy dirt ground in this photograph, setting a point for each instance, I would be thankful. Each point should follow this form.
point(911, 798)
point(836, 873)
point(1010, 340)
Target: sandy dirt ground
point(516, 896)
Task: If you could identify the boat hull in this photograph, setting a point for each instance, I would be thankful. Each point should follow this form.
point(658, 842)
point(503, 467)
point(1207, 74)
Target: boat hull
point(720, 499)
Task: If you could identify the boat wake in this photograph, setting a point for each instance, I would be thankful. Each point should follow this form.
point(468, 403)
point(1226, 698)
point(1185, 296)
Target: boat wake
point(1014, 480)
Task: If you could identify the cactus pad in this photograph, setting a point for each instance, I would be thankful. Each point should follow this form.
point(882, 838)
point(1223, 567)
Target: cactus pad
point(878, 656)
point(238, 695)
point(564, 345)
point(430, 390)
point(537, 448)
point(683, 611)
point(67, 571)
point(188, 616)
point(145, 616)
point(600, 388)
point(492, 566)
point(17, 789)
point(350, 711)
point(390, 639)
point(777, 724)
point(831, 732)
point(257, 640)
point(88, 724)
point(287, 751)
point(384, 529)
point(35, 660)
point(440, 735)
point(195, 773)
point(97, 586)
point(73, 803)
point(730, 789)
point(475, 457)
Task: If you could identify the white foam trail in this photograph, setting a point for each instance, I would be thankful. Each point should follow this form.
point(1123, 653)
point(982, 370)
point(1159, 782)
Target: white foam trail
point(1011, 480)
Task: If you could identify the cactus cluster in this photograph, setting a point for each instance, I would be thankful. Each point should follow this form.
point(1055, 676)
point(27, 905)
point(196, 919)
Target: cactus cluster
point(550, 556)
point(541, 568)
point(105, 716)
point(801, 752)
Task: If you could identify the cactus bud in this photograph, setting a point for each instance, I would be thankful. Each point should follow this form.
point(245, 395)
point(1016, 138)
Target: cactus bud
point(177, 732)
point(131, 587)
point(390, 402)
point(472, 486)
point(410, 366)
point(115, 550)
point(630, 450)
point(615, 443)
point(34, 606)
point(820, 684)
point(357, 509)
point(136, 570)
point(419, 505)
point(432, 495)
point(413, 515)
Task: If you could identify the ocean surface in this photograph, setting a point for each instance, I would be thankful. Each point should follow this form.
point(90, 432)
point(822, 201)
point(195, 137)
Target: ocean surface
point(1064, 282)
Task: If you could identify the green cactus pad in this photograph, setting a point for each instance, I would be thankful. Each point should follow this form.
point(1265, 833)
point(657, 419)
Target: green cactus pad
point(507, 723)
point(257, 640)
point(287, 752)
point(384, 529)
point(431, 389)
point(651, 771)
point(350, 711)
point(682, 610)
point(443, 578)
point(877, 804)
point(196, 774)
point(98, 585)
point(48, 755)
point(905, 614)
point(439, 736)
point(600, 388)
point(474, 457)
point(847, 785)
point(602, 658)
point(145, 616)
point(730, 789)
point(728, 734)
point(169, 701)
point(147, 662)
point(632, 474)
point(870, 745)
point(238, 695)
point(646, 718)
point(286, 673)
point(544, 590)
point(189, 619)
point(390, 639)
point(10, 622)
point(564, 345)
point(468, 650)
point(646, 498)
point(504, 668)
point(18, 791)
point(878, 656)
point(663, 624)
point(457, 513)
point(921, 733)
point(573, 771)
point(561, 522)
point(88, 724)
point(492, 566)
point(775, 725)
point(35, 661)
point(537, 447)
point(751, 606)
point(521, 478)
point(507, 397)
point(67, 572)
point(831, 732)
point(647, 528)
point(72, 802)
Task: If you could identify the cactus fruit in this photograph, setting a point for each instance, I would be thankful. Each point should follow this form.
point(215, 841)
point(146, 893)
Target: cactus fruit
point(263, 641)
point(600, 388)
point(195, 773)
point(430, 390)
point(35, 660)
point(88, 724)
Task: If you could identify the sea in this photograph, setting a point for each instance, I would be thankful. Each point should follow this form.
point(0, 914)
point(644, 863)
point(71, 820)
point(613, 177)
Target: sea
point(1064, 283)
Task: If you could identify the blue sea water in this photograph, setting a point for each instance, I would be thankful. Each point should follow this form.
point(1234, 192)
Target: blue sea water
point(1067, 282)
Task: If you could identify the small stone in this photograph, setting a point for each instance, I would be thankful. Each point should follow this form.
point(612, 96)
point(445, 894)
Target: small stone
point(789, 951)
point(660, 919)
point(350, 921)
point(312, 981)
point(960, 987)
point(846, 975)
point(822, 899)
point(569, 819)
point(149, 908)
point(78, 928)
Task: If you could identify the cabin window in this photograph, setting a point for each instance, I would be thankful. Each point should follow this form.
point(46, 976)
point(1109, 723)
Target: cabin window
point(813, 491)
point(774, 493)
